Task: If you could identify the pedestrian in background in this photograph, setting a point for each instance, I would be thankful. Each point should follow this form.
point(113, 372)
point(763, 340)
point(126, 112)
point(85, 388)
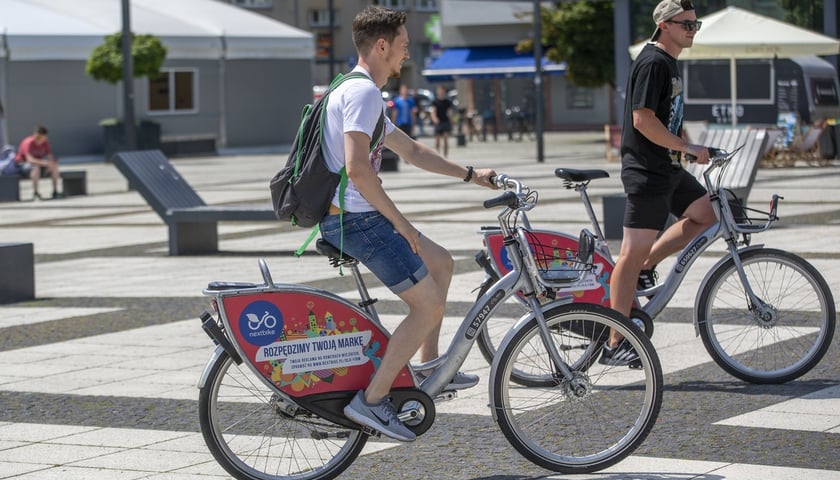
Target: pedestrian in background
point(441, 106)
point(404, 111)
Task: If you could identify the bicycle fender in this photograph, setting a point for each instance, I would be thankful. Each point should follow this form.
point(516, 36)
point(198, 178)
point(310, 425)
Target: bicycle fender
point(508, 336)
point(206, 373)
point(708, 276)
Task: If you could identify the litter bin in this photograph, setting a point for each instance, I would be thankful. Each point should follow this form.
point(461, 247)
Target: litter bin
point(614, 206)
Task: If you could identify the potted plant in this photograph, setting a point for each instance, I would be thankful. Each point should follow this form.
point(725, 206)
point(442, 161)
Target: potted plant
point(105, 64)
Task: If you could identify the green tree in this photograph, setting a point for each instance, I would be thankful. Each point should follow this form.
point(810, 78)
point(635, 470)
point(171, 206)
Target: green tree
point(105, 62)
point(804, 14)
point(581, 34)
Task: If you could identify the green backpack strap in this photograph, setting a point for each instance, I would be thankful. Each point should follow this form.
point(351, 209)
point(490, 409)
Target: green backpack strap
point(378, 133)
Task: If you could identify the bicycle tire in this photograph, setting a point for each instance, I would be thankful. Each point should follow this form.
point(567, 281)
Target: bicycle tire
point(253, 437)
point(591, 423)
point(787, 346)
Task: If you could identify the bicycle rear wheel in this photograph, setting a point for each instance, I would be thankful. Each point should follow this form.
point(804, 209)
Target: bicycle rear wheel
point(586, 423)
point(255, 436)
point(775, 342)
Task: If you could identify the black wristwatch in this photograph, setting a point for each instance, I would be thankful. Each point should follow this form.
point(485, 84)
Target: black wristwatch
point(469, 174)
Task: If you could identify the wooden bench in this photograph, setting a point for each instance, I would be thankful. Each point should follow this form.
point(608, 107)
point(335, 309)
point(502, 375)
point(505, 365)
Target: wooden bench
point(193, 225)
point(17, 272)
point(73, 182)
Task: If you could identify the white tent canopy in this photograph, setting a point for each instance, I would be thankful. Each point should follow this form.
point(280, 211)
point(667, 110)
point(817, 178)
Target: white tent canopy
point(734, 33)
point(70, 30)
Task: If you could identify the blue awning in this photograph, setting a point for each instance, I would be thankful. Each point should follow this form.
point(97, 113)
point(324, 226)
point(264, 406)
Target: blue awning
point(485, 62)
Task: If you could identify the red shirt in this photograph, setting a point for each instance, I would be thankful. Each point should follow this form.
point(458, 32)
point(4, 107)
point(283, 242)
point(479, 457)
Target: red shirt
point(28, 146)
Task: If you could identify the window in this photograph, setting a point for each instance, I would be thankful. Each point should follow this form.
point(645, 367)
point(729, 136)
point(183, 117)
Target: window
point(707, 81)
point(253, 3)
point(579, 98)
point(173, 91)
point(426, 5)
point(392, 4)
point(321, 18)
point(825, 92)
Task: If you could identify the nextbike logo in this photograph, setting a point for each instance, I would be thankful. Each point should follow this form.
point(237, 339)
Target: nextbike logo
point(483, 314)
point(261, 323)
point(690, 252)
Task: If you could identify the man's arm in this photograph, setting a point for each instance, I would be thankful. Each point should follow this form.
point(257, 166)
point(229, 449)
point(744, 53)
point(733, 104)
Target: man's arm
point(646, 122)
point(425, 157)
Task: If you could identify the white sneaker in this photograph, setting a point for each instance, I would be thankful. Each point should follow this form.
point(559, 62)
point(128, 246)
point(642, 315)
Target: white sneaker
point(461, 381)
point(381, 417)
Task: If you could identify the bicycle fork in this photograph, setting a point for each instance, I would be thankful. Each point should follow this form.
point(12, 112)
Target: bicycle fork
point(561, 370)
point(764, 313)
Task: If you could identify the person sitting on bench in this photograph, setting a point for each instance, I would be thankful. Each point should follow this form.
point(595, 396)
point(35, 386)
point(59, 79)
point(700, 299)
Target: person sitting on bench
point(34, 151)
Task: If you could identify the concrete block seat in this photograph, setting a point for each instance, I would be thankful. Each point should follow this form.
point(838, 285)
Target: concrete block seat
point(193, 225)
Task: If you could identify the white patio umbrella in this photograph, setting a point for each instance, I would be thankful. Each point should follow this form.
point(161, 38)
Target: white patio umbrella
point(734, 33)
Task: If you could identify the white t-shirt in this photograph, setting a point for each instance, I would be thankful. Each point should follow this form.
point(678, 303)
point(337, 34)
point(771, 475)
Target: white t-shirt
point(354, 106)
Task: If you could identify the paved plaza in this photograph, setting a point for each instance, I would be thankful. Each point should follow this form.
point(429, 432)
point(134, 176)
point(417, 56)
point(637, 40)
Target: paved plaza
point(98, 374)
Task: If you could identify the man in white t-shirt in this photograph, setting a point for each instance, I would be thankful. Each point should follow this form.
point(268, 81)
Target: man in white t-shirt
point(373, 230)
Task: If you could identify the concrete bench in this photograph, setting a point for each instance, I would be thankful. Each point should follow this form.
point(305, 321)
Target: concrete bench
point(73, 182)
point(17, 272)
point(193, 225)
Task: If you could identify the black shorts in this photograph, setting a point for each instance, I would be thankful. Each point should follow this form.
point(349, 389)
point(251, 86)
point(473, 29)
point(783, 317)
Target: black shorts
point(651, 211)
point(443, 128)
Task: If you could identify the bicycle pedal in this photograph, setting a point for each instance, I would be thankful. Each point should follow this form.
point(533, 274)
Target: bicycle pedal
point(370, 432)
point(446, 396)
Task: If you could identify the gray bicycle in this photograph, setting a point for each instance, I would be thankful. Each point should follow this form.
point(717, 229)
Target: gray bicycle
point(289, 357)
point(764, 315)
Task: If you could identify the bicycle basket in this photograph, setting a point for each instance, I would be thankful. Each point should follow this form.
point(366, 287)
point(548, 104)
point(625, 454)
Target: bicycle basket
point(559, 267)
point(736, 206)
point(747, 220)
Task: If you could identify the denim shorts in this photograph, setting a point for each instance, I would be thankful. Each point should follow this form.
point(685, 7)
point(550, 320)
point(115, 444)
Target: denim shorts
point(371, 239)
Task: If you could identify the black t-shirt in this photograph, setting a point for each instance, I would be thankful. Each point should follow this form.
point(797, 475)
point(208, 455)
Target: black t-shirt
point(654, 83)
point(442, 107)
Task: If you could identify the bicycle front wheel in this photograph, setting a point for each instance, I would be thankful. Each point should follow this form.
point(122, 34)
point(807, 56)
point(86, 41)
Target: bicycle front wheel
point(254, 435)
point(782, 338)
point(587, 422)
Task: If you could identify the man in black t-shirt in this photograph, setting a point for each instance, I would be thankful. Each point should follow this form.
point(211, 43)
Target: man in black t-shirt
point(654, 180)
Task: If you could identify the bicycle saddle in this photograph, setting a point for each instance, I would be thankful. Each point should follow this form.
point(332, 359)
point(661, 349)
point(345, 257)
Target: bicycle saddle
point(576, 175)
point(327, 249)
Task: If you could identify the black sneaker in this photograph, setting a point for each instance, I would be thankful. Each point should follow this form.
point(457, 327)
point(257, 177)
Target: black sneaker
point(56, 195)
point(623, 355)
point(647, 279)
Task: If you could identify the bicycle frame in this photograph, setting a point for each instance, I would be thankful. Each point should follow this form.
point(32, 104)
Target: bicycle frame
point(726, 227)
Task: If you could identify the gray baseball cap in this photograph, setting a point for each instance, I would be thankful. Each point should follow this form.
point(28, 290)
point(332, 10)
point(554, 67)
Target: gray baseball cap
point(668, 9)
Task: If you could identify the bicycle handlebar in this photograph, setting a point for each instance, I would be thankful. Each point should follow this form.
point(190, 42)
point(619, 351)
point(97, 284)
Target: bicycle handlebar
point(713, 153)
point(512, 198)
point(508, 199)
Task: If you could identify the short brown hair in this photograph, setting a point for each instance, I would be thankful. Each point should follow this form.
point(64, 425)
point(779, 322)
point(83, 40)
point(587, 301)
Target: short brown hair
point(41, 130)
point(376, 22)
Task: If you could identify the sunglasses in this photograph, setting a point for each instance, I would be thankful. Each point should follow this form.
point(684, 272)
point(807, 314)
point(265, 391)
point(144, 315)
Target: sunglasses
point(689, 25)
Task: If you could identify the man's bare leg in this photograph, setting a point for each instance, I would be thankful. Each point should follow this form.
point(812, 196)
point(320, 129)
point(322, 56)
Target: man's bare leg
point(426, 306)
